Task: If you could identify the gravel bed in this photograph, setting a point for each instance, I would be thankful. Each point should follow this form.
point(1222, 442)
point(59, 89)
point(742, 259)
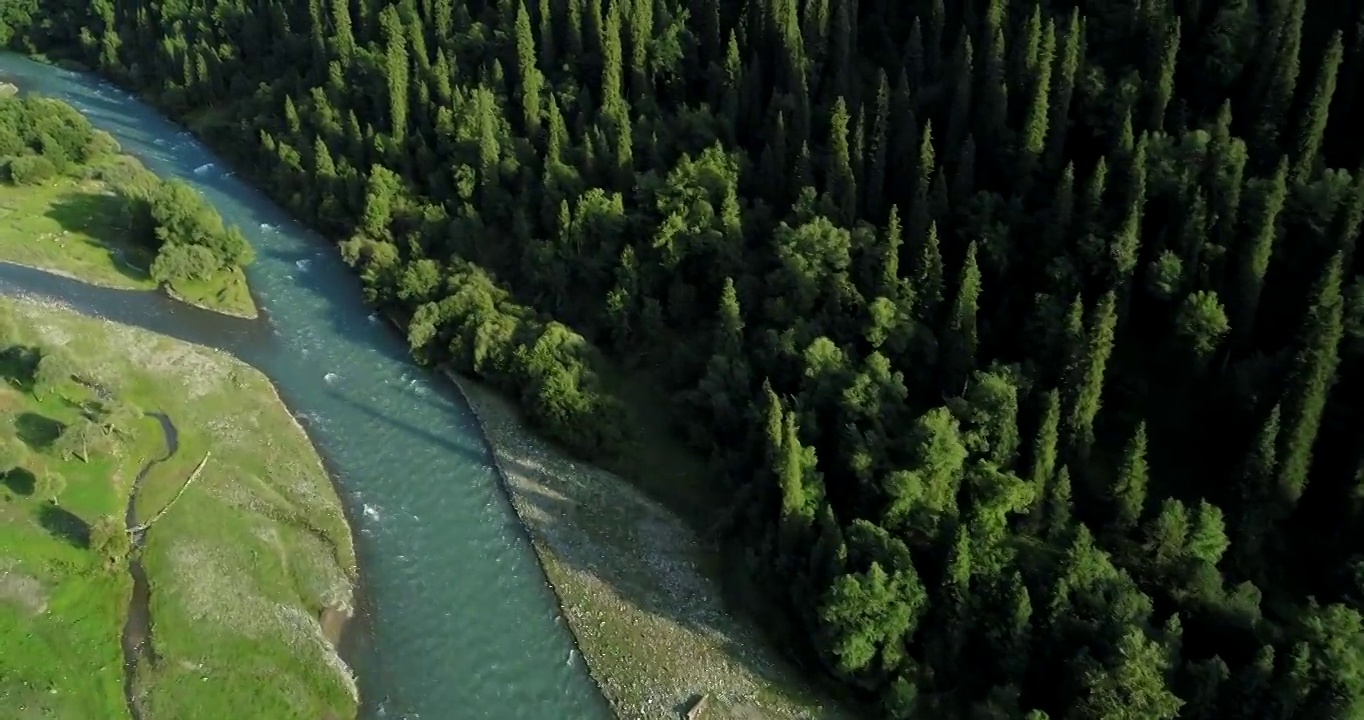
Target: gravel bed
point(649, 622)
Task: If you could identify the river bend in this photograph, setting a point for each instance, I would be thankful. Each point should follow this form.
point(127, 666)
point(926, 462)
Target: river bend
point(457, 620)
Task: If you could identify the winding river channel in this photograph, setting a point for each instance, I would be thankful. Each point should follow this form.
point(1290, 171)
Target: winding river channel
point(456, 617)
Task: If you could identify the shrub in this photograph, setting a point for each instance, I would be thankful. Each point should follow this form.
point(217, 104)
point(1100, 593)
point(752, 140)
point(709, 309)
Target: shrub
point(109, 541)
point(102, 143)
point(31, 170)
point(128, 175)
point(183, 262)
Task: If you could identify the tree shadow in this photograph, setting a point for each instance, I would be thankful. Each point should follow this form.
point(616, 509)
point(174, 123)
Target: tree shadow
point(64, 524)
point(20, 481)
point(37, 431)
point(321, 273)
point(380, 416)
point(100, 217)
point(18, 363)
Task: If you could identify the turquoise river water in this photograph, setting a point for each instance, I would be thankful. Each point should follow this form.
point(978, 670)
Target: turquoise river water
point(457, 620)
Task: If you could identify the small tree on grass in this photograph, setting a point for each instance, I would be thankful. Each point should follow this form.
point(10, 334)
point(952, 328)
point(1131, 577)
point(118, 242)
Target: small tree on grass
point(115, 416)
point(54, 368)
point(31, 170)
point(80, 439)
point(109, 540)
point(49, 484)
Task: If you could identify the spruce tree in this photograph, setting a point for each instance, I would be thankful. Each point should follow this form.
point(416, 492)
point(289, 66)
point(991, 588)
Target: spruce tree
point(1039, 105)
point(1164, 85)
point(842, 186)
point(531, 80)
point(1063, 89)
point(928, 275)
point(878, 150)
point(960, 337)
point(1129, 484)
point(396, 71)
point(1059, 507)
point(890, 255)
point(1310, 380)
point(1312, 126)
point(1261, 230)
point(1259, 497)
point(1086, 380)
point(641, 35)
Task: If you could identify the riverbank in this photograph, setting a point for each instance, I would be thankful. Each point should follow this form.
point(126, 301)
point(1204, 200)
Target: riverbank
point(249, 571)
point(650, 622)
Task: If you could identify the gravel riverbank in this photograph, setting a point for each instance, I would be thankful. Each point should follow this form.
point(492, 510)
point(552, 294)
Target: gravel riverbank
point(651, 626)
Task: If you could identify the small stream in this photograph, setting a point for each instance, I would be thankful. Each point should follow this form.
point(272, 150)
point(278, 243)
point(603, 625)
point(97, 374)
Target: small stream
point(137, 631)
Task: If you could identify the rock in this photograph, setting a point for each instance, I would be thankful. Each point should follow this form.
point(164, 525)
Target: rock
point(698, 707)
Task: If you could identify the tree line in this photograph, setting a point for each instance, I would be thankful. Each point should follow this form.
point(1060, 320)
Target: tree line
point(1027, 336)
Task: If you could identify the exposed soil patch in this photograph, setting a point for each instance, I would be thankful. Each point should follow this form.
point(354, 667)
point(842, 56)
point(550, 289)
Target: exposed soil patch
point(23, 590)
point(333, 623)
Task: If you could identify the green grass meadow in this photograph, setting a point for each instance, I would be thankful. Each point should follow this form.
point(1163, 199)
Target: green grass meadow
point(240, 568)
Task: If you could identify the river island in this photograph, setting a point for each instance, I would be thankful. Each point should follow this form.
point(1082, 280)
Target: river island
point(170, 543)
point(73, 204)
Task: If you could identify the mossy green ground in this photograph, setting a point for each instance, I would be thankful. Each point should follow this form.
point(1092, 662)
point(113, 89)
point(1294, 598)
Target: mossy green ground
point(60, 613)
point(77, 227)
point(239, 569)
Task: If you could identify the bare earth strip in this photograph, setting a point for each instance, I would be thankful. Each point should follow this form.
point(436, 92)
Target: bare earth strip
point(651, 625)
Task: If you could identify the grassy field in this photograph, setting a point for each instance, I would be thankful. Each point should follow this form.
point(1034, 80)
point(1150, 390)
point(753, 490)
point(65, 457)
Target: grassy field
point(77, 228)
point(240, 568)
point(641, 590)
point(60, 613)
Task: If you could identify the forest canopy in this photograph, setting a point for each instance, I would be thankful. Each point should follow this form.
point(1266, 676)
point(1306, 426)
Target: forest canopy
point(1028, 337)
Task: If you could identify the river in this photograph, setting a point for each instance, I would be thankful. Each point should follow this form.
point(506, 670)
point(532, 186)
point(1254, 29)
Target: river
point(457, 619)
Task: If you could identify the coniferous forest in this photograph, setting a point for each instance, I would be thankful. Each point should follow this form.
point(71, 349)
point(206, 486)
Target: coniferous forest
point(1027, 338)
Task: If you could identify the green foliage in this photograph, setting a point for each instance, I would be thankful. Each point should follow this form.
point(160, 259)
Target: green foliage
point(54, 369)
point(175, 262)
point(173, 217)
point(109, 541)
point(50, 129)
point(82, 440)
point(31, 170)
point(871, 614)
point(48, 485)
point(1202, 322)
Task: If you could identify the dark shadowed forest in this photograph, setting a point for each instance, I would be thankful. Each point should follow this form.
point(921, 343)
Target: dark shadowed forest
point(1026, 338)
